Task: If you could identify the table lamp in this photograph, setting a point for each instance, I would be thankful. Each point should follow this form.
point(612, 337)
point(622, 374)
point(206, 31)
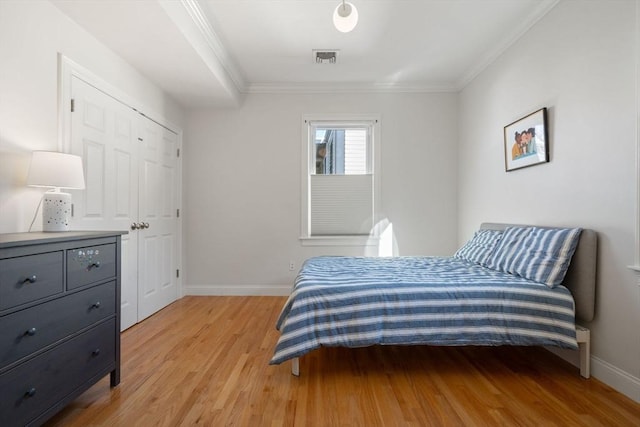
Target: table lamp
point(56, 171)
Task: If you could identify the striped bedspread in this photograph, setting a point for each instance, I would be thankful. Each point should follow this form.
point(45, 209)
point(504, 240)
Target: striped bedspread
point(356, 302)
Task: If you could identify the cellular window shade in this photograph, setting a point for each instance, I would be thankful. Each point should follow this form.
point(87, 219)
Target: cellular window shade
point(341, 205)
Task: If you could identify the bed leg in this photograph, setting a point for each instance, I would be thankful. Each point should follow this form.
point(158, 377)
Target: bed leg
point(295, 366)
point(583, 336)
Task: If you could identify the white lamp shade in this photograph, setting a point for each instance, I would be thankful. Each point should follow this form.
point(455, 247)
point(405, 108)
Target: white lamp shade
point(55, 170)
point(345, 17)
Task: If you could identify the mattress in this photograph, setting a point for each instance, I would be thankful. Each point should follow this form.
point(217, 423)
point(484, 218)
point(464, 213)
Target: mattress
point(361, 301)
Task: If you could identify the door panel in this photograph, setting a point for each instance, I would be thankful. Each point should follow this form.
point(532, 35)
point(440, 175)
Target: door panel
point(93, 153)
point(103, 132)
point(157, 183)
point(129, 292)
point(123, 164)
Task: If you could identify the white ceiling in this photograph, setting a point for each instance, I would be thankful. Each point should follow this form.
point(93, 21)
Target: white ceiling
point(209, 52)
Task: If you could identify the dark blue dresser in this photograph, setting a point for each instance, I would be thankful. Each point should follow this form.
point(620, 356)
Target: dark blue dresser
point(59, 320)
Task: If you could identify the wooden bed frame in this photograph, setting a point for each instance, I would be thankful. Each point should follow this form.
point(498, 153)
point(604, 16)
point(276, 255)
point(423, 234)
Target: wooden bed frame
point(580, 280)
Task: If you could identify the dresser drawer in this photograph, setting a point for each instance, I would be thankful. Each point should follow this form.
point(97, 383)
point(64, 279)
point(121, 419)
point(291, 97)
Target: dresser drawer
point(29, 330)
point(32, 387)
point(90, 264)
point(29, 278)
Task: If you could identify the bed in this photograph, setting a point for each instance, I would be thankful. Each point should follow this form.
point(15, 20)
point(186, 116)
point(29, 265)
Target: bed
point(509, 285)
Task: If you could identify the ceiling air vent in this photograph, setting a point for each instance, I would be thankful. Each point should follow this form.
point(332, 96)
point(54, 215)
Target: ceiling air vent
point(325, 56)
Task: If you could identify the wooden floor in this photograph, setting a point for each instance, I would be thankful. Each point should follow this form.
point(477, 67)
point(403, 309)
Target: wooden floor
point(204, 361)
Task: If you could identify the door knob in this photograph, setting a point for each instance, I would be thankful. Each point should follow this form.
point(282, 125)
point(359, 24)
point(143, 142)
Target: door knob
point(139, 225)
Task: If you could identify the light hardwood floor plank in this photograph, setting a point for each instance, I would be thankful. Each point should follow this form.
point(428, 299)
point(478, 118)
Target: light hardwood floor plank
point(204, 361)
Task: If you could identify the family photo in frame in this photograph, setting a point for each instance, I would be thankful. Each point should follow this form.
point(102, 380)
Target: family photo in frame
point(526, 142)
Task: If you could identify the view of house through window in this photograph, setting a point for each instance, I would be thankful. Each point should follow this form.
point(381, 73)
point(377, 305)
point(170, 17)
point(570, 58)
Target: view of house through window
point(341, 151)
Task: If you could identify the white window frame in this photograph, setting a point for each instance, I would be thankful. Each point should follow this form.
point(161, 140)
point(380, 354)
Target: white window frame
point(308, 166)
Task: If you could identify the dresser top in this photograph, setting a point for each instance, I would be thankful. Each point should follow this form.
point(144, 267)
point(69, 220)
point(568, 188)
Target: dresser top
point(32, 238)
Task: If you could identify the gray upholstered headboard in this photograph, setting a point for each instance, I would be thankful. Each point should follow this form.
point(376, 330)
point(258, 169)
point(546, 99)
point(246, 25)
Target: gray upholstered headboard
point(581, 276)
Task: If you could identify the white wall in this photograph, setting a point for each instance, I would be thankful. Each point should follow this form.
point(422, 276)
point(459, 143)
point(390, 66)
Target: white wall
point(579, 62)
point(31, 35)
point(243, 177)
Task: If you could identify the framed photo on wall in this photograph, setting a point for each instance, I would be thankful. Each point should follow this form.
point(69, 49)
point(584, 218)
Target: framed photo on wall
point(526, 141)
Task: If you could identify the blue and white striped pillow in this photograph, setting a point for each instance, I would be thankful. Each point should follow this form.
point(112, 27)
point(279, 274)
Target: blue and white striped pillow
point(548, 254)
point(539, 254)
point(509, 250)
point(480, 247)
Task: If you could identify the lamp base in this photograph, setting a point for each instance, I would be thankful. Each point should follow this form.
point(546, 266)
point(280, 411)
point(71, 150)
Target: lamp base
point(56, 211)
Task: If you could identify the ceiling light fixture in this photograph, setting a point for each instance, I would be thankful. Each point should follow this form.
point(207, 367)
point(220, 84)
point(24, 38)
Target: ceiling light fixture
point(345, 17)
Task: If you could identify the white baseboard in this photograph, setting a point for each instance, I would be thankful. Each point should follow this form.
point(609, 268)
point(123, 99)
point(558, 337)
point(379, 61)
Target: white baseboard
point(605, 372)
point(616, 378)
point(239, 290)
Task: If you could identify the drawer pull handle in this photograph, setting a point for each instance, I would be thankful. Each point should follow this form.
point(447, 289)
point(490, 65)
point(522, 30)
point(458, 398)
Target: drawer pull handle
point(94, 265)
point(30, 279)
point(95, 352)
point(31, 392)
point(96, 304)
point(31, 332)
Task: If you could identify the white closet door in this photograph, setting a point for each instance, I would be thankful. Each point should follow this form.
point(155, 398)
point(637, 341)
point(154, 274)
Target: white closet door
point(131, 168)
point(157, 247)
point(104, 132)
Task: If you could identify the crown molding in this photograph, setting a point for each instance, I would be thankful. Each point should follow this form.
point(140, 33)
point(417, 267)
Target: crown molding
point(325, 87)
point(492, 55)
point(192, 23)
point(204, 25)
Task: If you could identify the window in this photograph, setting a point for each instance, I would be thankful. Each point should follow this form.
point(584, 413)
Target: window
point(340, 180)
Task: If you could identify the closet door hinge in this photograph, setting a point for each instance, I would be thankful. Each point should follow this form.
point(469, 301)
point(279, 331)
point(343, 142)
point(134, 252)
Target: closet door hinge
point(178, 213)
point(73, 105)
point(178, 153)
point(177, 273)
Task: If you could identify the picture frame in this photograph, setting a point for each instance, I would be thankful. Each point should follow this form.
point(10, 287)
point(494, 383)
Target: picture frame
point(526, 141)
